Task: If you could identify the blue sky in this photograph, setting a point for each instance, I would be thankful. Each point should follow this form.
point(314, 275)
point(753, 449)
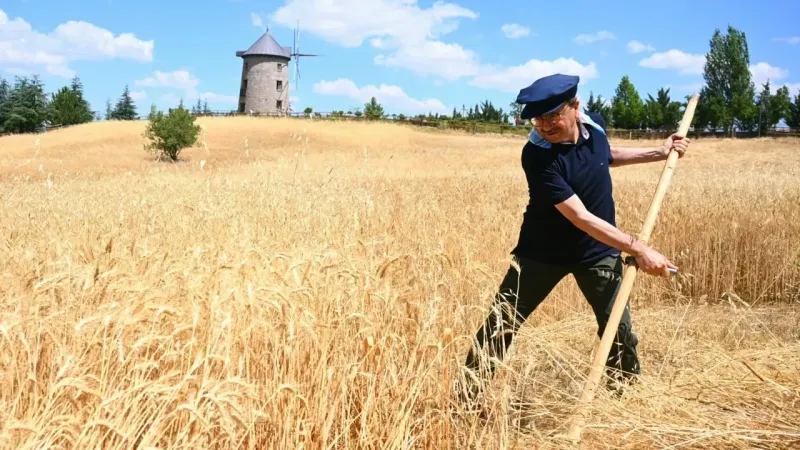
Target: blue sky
point(414, 56)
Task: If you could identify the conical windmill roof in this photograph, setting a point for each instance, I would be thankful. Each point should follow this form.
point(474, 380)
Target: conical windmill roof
point(266, 45)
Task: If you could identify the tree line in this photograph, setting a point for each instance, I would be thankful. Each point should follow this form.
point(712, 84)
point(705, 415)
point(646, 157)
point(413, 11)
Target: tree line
point(26, 108)
point(728, 99)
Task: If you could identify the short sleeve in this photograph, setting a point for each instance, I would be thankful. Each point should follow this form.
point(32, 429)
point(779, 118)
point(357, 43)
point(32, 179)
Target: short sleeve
point(598, 119)
point(546, 180)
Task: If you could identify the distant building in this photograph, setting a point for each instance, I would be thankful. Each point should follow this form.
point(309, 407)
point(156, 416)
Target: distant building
point(264, 87)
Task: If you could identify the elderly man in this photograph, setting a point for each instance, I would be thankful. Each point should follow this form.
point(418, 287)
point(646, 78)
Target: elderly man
point(569, 226)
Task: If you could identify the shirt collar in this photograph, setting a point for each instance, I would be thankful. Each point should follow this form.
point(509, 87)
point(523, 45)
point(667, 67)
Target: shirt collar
point(583, 120)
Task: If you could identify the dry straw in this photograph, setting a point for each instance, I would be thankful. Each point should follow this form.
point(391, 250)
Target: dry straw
point(326, 300)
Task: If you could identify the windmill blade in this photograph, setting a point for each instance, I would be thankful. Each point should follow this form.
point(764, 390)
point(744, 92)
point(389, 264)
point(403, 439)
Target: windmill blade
point(296, 54)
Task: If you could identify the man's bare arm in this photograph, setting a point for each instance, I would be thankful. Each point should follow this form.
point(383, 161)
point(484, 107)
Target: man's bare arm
point(624, 156)
point(647, 259)
point(574, 210)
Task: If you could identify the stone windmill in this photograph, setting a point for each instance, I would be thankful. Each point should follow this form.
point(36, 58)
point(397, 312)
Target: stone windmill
point(264, 86)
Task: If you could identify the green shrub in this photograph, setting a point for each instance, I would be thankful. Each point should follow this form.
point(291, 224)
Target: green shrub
point(171, 133)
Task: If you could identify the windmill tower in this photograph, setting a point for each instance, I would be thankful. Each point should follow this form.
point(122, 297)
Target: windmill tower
point(264, 86)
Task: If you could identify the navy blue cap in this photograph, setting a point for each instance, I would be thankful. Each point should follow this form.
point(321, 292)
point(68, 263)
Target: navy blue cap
point(547, 94)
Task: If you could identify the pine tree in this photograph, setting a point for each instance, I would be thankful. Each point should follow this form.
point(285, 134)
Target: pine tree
point(598, 105)
point(153, 112)
point(627, 108)
point(764, 104)
point(793, 118)
point(125, 108)
point(5, 98)
point(205, 107)
point(729, 94)
point(780, 103)
point(515, 112)
point(26, 106)
point(373, 109)
point(670, 110)
point(653, 117)
point(85, 109)
point(109, 111)
point(68, 107)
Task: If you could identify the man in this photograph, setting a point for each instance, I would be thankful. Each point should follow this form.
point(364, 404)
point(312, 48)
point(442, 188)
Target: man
point(569, 225)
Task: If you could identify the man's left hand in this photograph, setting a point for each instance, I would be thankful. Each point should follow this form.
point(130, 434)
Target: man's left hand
point(677, 142)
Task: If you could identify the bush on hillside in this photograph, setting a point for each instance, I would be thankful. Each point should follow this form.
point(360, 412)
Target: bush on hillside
point(171, 133)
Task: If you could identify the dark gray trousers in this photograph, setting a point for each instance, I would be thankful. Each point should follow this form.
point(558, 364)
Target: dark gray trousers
point(521, 293)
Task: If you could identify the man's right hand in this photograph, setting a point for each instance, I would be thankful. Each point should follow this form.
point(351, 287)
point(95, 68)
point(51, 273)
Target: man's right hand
point(651, 261)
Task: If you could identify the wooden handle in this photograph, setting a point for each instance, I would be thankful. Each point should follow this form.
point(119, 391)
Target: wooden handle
point(579, 419)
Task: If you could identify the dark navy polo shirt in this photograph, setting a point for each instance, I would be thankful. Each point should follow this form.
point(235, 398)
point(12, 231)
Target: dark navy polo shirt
point(554, 174)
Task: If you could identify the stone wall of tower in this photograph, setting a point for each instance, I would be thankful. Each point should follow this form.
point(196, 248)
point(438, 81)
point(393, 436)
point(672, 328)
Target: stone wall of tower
point(264, 85)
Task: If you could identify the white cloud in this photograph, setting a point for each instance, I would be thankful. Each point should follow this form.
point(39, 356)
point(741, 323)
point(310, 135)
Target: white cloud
point(179, 79)
point(390, 96)
point(378, 43)
point(214, 97)
point(515, 30)
point(182, 80)
point(684, 63)
point(408, 35)
point(138, 95)
point(71, 41)
point(762, 72)
point(638, 47)
point(18, 71)
point(172, 99)
point(794, 40)
point(512, 79)
point(693, 64)
point(256, 20)
point(590, 38)
point(350, 22)
point(449, 61)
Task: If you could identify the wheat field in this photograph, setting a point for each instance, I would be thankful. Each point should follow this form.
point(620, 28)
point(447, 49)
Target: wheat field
point(303, 284)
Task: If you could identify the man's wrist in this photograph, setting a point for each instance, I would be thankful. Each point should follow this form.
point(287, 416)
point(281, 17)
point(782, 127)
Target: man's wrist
point(635, 247)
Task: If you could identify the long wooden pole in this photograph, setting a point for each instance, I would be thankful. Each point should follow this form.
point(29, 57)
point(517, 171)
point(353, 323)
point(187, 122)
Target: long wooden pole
point(589, 388)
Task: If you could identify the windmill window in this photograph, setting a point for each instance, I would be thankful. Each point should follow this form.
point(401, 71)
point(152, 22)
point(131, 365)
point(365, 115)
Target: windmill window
point(279, 84)
point(280, 67)
point(279, 104)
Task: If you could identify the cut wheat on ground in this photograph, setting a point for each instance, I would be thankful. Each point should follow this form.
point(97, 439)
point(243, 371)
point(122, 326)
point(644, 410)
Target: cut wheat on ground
point(291, 282)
